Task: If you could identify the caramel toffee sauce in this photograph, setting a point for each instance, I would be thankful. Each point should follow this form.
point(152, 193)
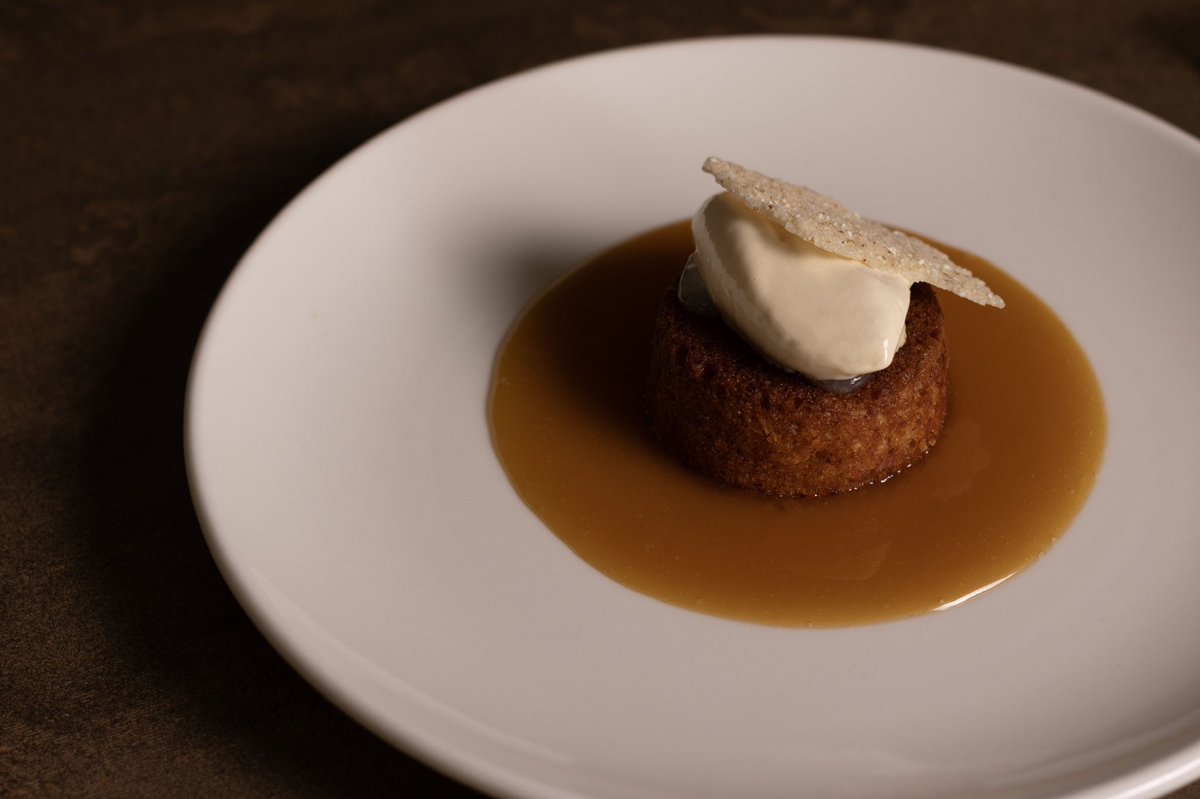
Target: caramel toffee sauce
point(1021, 448)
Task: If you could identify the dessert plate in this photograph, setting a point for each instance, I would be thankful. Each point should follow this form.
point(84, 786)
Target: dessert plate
point(340, 460)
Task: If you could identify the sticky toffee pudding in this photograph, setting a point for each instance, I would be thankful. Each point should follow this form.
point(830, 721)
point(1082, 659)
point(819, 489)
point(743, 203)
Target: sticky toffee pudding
point(1017, 417)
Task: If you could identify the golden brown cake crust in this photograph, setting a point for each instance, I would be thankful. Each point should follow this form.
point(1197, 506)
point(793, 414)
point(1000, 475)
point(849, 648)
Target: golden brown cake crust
point(727, 413)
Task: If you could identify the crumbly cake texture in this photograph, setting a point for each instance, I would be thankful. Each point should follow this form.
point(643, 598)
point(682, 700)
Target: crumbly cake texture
point(831, 226)
point(726, 413)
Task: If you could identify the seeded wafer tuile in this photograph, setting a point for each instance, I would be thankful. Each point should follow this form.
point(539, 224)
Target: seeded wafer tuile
point(831, 226)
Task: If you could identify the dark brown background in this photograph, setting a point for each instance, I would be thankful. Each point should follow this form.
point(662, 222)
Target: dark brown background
point(142, 146)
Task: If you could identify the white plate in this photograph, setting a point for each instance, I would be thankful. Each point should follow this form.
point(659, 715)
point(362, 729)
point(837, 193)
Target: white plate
point(340, 459)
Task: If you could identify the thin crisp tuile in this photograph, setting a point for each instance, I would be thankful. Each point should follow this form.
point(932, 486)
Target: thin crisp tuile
point(831, 226)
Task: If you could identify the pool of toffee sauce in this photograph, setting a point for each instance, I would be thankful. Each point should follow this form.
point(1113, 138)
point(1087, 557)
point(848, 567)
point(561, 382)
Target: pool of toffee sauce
point(1020, 451)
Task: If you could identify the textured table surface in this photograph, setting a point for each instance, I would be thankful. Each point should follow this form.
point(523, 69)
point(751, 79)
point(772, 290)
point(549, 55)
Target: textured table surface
point(142, 146)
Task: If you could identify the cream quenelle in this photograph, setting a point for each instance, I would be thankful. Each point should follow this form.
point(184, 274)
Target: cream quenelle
point(804, 308)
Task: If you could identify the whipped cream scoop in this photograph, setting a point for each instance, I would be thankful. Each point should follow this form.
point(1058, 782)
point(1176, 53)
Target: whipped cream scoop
point(803, 308)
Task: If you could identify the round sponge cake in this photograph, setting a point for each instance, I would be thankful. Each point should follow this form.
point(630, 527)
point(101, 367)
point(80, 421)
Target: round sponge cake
point(728, 413)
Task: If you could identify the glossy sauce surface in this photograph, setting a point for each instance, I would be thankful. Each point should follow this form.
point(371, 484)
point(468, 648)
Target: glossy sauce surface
point(1022, 445)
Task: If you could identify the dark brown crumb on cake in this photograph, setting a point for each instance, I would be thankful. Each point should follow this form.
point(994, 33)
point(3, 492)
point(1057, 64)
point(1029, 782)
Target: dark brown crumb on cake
point(727, 413)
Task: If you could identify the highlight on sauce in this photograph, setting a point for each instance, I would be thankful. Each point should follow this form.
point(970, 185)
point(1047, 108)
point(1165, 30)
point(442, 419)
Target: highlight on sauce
point(1019, 454)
